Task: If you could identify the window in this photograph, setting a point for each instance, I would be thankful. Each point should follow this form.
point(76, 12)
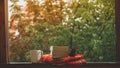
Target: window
point(88, 25)
point(3, 34)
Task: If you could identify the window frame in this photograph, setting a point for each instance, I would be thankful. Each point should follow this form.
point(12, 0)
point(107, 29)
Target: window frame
point(4, 42)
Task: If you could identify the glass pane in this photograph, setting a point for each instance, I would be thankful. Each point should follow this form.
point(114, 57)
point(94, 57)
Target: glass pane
point(86, 25)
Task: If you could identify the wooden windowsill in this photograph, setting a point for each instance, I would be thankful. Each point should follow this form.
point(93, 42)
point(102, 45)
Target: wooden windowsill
point(39, 65)
point(87, 63)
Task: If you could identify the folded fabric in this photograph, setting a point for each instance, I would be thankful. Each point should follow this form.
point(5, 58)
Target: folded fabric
point(46, 58)
point(68, 59)
point(77, 62)
point(74, 60)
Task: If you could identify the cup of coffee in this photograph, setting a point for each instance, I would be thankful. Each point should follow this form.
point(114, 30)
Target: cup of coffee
point(35, 55)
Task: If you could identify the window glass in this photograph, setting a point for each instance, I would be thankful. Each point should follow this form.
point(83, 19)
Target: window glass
point(86, 25)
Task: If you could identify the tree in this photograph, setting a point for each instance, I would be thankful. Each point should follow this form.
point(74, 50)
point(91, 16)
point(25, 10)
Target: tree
point(50, 12)
point(93, 29)
point(88, 25)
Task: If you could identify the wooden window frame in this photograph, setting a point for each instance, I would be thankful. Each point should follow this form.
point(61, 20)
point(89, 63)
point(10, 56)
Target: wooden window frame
point(4, 43)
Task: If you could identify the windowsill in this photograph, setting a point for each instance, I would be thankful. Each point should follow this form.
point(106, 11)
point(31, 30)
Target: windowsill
point(87, 63)
point(39, 65)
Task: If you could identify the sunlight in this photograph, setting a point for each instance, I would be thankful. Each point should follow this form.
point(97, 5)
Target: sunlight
point(21, 3)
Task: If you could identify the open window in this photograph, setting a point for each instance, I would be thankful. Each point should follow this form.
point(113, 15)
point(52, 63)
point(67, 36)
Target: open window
point(4, 35)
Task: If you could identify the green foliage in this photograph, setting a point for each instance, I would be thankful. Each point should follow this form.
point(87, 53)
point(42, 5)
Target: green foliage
point(88, 25)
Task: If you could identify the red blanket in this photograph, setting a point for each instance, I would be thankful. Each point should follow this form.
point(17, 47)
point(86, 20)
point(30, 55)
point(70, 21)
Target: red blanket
point(75, 60)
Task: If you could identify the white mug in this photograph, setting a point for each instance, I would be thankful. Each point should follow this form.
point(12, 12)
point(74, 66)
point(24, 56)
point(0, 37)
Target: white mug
point(35, 55)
